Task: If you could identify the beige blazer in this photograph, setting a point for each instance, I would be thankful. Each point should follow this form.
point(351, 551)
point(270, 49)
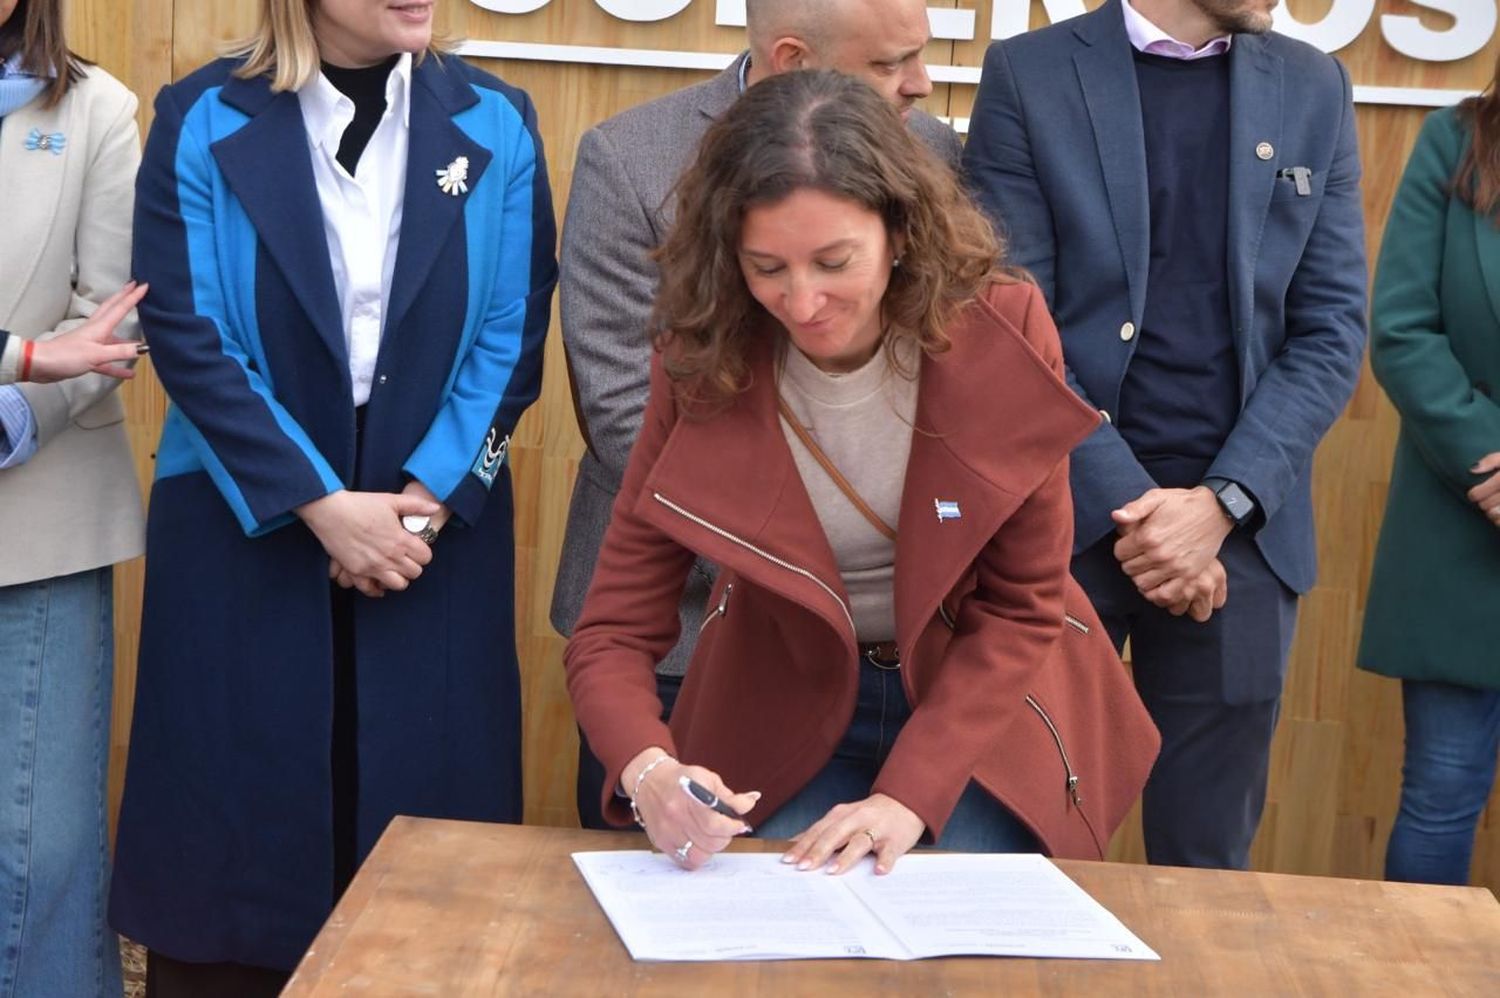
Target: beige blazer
point(76, 504)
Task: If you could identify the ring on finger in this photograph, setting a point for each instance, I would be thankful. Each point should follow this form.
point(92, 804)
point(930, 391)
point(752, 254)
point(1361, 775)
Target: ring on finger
point(682, 851)
point(870, 833)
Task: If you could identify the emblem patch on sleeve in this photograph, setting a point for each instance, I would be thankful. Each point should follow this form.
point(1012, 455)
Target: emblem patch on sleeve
point(491, 457)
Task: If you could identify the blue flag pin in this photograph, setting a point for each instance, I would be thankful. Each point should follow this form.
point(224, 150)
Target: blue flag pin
point(947, 509)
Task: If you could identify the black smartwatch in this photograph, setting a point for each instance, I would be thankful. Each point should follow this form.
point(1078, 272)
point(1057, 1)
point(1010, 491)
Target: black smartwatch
point(1233, 500)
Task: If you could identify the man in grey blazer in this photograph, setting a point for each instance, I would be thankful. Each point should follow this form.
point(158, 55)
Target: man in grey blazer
point(1184, 185)
point(619, 210)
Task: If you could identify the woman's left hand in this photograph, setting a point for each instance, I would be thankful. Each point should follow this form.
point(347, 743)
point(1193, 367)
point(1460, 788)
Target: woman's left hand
point(878, 824)
point(371, 587)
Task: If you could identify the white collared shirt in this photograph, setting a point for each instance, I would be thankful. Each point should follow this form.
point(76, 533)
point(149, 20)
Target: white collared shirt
point(362, 213)
point(1146, 37)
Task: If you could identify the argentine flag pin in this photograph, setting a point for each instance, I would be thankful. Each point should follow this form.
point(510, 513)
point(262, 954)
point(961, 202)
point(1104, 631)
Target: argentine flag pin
point(947, 509)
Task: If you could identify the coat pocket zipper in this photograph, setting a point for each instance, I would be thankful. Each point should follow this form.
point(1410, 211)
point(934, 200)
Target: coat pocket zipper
point(1062, 750)
point(721, 610)
point(768, 556)
point(1068, 619)
point(1072, 781)
point(1057, 738)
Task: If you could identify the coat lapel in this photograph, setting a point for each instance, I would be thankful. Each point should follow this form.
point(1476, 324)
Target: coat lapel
point(984, 451)
point(987, 466)
point(1254, 118)
point(753, 491)
point(32, 182)
point(268, 165)
point(428, 214)
point(1106, 73)
point(722, 90)
point(1487, 241)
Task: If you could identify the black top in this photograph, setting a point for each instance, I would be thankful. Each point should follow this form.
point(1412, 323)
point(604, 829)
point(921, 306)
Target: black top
point(366, 88)
point(1180, 396)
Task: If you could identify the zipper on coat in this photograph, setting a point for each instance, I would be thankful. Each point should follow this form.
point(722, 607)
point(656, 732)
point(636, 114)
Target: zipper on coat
point(719, 611)
point(947, 617)
point(1072, 781)
point(1071, 787)
point(1062, 750)
point(768, 556)
point(1068, 619)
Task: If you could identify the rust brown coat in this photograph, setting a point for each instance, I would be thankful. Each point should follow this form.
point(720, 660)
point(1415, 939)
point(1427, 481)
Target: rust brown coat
point(1012, 678)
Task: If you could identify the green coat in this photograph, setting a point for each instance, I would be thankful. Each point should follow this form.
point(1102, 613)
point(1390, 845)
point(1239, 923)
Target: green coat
point(1435, 348)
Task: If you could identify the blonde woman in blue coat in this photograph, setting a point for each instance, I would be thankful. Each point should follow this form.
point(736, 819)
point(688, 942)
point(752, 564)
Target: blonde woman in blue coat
point(349, 241)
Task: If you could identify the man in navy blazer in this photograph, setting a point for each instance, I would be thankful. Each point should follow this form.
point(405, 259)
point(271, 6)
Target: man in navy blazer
point(1184, 185)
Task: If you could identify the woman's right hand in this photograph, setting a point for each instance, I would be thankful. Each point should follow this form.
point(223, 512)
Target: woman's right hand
point(1486, 495)
point(362, 533)
point(673, 819)
point(92, 346)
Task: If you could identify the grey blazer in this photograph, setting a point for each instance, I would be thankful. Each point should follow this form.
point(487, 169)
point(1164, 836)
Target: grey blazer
point(75, 505)
point(618, 211)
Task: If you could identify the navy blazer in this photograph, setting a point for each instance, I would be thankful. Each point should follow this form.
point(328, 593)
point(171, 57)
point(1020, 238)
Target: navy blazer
point(1056, 155)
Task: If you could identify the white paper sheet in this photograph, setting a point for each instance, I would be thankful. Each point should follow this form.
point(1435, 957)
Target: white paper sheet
point(753, 907)
point(993, 905)
point(739, 907)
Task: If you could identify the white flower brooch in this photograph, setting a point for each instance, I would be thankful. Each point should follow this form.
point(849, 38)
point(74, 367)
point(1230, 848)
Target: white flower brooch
point(454, 179)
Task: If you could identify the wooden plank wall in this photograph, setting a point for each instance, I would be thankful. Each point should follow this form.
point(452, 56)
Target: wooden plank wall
point(1337, 757)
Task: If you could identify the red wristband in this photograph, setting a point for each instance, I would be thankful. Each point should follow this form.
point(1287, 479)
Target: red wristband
point(26, 350)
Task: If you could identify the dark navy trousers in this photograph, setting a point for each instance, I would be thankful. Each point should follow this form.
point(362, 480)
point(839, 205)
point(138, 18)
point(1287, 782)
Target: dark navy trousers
point(1214, 690)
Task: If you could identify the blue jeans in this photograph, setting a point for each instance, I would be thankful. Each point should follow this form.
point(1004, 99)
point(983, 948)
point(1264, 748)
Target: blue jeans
point(56, 673)
point(1452, 740)
point(979, 823)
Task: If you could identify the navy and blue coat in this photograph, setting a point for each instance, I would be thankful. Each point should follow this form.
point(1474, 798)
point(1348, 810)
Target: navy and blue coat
point(225, 838)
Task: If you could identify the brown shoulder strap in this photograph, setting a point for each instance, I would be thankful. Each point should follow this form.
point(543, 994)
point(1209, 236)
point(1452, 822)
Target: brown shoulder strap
point(838, 479)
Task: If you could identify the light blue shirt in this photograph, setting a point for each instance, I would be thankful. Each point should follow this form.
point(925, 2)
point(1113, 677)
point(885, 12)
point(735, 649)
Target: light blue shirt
point(17, 428)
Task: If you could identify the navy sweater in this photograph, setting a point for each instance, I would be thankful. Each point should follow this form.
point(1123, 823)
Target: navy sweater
point(1180, 396)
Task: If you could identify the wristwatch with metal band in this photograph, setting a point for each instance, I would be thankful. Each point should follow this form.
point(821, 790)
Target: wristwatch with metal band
point(421, 527)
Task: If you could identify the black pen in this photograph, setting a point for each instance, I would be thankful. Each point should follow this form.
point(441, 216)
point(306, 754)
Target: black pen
point(708, 798)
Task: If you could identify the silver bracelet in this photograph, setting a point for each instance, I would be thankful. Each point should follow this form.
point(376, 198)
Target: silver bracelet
point(636, 790)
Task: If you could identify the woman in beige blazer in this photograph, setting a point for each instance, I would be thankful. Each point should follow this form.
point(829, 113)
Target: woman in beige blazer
point(69, 148)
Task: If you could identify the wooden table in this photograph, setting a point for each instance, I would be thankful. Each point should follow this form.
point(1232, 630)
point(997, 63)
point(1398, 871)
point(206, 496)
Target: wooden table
point(454, 909)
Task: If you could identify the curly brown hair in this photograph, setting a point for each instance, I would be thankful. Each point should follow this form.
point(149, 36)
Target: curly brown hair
point(833, 133)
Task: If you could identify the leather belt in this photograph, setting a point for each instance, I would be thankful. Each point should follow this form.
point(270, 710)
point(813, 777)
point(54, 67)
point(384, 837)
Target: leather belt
point(881, 654)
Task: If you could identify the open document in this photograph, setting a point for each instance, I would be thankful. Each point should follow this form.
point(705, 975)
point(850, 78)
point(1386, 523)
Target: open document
point(753, 907)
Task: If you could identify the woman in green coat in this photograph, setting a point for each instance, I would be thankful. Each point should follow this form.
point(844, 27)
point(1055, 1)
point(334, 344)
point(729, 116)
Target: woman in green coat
point(1435, 348)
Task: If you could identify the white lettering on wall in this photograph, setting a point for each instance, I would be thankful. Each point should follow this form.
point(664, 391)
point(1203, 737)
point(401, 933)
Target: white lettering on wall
point(730, 13)
point(1009, 18)
point(643, 10)
point(947, 23)
point(1473, 24)
point(1343, 23)
point(511, 6)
